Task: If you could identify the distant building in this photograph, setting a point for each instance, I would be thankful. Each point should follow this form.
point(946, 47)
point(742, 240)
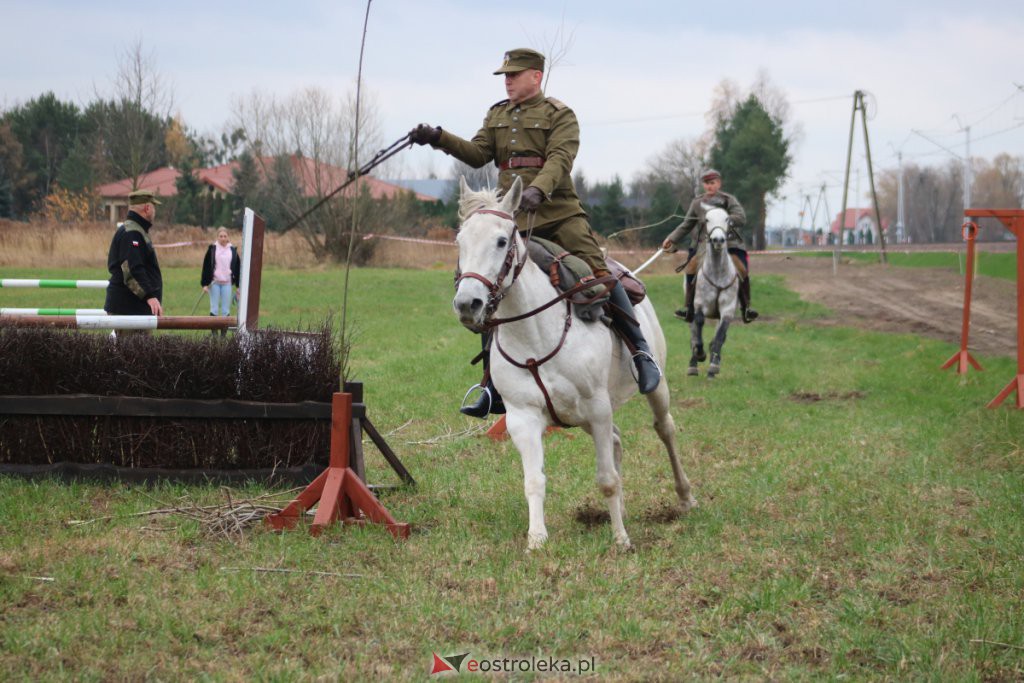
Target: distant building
point(315, 179)
point(439, 189)
point(859, 227)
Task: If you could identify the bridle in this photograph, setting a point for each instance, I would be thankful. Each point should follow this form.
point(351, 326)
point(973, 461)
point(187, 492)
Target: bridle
point(704, 269)
point(512, 264)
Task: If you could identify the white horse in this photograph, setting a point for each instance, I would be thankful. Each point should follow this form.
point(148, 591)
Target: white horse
point(543, 361)
point(717, 286)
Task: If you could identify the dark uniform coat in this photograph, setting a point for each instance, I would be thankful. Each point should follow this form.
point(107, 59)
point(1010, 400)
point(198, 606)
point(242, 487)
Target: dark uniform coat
point(536, 140)
point(206, 277)
point(695, 218)
point(134, 269)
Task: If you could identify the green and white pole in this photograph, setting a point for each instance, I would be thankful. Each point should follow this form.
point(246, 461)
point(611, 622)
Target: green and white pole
point(52, 311)
point(53, 284)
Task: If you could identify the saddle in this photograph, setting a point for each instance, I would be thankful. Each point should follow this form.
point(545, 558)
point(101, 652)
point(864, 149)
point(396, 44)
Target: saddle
point(692, 265)
point(566, 270)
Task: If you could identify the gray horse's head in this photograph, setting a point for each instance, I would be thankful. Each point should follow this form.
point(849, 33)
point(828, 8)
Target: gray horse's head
point(718, 228)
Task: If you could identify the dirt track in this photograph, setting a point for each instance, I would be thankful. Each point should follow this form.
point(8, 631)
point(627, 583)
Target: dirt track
point(925, 301)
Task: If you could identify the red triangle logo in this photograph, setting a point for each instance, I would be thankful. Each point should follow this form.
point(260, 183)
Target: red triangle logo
point(440, 666)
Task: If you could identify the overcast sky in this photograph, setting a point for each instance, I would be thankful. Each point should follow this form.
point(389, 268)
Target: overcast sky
point(638, 74)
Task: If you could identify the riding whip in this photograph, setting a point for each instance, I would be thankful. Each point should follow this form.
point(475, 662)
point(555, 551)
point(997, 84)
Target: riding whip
point(380, 157)
point(194, 306)
point(649, 261)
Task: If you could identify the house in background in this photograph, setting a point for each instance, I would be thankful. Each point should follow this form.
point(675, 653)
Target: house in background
point(859, 227)
point(316, 180)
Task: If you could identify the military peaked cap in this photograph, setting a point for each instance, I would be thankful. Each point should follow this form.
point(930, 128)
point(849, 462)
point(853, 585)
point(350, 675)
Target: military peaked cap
point(709, 174)
point(521, 59)
point(142, 197)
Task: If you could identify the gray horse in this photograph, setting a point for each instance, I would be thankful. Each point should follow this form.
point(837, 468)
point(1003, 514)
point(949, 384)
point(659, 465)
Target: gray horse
point(717, 285)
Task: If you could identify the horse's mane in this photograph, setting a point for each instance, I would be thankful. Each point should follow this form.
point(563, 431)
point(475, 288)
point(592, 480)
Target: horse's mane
point(470, 202)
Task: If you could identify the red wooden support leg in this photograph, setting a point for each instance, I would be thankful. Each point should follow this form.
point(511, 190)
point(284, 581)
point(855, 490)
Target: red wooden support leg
point(340, 492)
point(498, 432)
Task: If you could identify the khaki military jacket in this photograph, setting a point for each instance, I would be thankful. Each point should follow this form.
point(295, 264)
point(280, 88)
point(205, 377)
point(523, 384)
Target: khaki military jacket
point(695, 218)
point(541, 127)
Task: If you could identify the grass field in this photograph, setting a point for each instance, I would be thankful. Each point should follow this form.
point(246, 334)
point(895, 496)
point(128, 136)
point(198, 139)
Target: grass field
point(860, 517)
point(993, 264)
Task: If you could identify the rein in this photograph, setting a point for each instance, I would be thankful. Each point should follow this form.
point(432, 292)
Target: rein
point(494, 290)
point(720, 288)
point(496, 294)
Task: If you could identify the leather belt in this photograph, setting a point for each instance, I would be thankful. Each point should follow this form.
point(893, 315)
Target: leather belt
point(522, 162)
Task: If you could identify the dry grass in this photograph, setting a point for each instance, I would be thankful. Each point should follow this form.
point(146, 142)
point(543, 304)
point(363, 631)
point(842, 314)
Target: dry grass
point(84, 245)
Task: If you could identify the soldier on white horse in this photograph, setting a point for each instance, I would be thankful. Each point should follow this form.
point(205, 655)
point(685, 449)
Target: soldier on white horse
point(535, 138)
point(715, 293)
point(712, 198)
point(550, 367)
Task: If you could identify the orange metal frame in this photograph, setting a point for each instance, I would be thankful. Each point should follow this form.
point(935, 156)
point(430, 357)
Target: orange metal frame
point(341, 494)
point(963, 357)
point(1012, 220)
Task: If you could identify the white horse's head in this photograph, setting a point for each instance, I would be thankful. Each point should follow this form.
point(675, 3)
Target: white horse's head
point(489, 251)
point(717, 224)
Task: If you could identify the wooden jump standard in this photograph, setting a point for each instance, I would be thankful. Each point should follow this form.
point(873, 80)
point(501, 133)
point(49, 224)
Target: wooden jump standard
point(341, 494)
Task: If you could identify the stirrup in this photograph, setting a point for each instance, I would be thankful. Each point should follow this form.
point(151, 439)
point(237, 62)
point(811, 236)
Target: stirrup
point(639, 356)
point(494, 403)
point(484, 392)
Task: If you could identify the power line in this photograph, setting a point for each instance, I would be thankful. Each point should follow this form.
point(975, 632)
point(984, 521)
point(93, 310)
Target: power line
point(683, 115)
point(999, 132)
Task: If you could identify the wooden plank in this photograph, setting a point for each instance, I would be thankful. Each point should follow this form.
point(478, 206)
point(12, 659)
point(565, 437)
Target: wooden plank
point(388, 454)
point(132, 406)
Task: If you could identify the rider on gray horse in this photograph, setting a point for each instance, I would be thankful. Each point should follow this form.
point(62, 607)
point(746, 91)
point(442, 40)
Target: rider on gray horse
point(713, 197)
point(536, 138)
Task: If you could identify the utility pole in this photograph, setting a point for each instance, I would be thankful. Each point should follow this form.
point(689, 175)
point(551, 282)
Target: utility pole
point(968, 171)
point(858, 105)
point(900, 216)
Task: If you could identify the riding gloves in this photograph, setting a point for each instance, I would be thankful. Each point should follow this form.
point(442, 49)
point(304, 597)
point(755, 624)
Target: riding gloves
point(425, 134)
point(532, 198)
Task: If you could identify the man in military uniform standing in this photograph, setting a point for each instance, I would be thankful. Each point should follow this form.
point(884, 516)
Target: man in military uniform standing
point(136, 285)
point(536, 138)
point(713, 198)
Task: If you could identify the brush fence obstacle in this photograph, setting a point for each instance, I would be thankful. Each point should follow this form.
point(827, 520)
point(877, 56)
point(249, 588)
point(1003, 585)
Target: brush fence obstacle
point(97, 319)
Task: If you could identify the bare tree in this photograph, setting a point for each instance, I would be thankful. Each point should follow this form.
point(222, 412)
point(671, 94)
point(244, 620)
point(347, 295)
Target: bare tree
point(555, 49)
point(303, 146)
point(133, 119)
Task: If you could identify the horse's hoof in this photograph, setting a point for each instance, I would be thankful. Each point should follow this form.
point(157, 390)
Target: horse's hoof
point(536, 542)
point(692, 371)
point(689, 504)
point(624, 545)
point(712, 371)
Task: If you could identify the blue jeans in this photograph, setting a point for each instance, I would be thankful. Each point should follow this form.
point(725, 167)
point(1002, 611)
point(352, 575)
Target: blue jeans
point(220, 298)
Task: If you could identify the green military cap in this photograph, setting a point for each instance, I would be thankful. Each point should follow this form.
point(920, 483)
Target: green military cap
point(521, 59)
point(710, 174)
point(142, 197)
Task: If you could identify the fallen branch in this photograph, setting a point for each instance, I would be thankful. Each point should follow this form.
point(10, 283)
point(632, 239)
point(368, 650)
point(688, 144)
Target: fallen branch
point(289, 571)
point(995, 642)
point(450, 435)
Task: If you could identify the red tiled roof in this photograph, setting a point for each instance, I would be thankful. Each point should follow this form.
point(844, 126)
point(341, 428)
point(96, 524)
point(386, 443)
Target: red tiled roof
point(316, 180)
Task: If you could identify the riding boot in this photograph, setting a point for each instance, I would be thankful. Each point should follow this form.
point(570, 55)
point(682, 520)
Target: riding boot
point(624, 321)
point(489, 400)
point(749, 314)
point(687, 313)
